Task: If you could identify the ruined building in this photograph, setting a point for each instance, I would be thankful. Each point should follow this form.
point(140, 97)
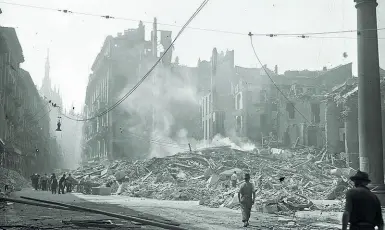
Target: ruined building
point(216, 106)
point(244, 102)
point(121, 63)
point(343, 119)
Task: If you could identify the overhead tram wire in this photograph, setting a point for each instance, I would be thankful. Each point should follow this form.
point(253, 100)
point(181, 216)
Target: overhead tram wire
point(299, 35)
point(29, 128)
point(272, 80)
point(148, 73)
point(33, 117)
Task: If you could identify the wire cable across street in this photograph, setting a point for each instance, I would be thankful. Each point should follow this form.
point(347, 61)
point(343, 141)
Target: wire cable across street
point(298, 35)
point(272, 80)
point(148, 73)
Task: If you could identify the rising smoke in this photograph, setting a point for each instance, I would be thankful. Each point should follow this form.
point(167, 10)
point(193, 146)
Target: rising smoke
point(172, 95)
point(70, 141)
point(163, 111)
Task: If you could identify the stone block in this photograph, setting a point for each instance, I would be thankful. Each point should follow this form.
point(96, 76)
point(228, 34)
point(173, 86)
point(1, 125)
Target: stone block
point(101, 191)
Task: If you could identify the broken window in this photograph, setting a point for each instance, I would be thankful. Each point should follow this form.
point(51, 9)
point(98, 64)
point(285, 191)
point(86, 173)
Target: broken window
point(298, 90)
point(311, 90)
point(239, 123)
point(263, 96)
point(239, 101)
point(274, 107)
point(315, 113)
point(263, 122)
point(290, 108)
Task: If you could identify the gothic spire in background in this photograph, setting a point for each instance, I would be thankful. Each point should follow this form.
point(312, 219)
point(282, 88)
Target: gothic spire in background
point(46, 85)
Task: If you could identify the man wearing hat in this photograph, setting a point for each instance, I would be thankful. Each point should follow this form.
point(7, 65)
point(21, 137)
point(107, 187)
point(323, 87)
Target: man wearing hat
point(246, 197)
point(362, 207)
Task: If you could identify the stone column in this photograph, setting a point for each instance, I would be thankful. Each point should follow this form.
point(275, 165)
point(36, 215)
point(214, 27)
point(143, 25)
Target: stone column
point(369, 97)
point(351, 134)
point(332, 127)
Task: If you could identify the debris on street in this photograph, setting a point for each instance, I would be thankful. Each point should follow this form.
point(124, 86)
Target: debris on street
point(285, 180)
point(12, 180)
point(68, 207)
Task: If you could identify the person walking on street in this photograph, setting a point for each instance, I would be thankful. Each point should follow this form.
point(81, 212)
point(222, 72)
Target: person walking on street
point(362, 207)
point(61, 184)
point(246, 197)
point(53, 183)
point(234, 179)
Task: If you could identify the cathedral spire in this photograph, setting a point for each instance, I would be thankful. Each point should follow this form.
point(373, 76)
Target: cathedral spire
point(46, 85)
point(47, 66)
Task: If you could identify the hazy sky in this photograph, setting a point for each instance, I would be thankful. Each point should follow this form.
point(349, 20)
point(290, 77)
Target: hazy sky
point(75, 40)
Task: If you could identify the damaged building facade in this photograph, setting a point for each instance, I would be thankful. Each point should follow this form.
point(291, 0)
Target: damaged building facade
point(343, 132)
point(24, 128)
point(121, 63)
point(246, 103)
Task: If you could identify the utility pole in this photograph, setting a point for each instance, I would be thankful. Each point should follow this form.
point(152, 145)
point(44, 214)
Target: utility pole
point(369, 96)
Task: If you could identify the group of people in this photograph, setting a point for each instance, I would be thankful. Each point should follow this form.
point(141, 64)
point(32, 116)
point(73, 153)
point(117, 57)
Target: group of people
point(45, 183)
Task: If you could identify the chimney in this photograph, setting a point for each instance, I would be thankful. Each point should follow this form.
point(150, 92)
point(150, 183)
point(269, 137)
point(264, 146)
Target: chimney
point(276, 69)
point(154, 39)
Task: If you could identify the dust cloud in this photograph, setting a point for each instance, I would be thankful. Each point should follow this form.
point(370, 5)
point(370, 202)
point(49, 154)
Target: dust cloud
point(70, 140)
point(161, 112)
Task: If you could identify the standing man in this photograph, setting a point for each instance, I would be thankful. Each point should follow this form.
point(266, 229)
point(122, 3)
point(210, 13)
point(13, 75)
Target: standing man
point(35, 181)
point(44, 181)
point(234, 179)
point(362, 208)
point(53, 183)
point(246, 197)
point(61, 184)
point(69, 182)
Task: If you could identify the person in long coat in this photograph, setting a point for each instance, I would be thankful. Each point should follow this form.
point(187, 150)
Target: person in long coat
point(54, 184)
point(246, 197)
point(362, 207)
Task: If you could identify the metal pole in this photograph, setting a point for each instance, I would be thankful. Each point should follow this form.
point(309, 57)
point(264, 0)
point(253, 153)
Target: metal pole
point(369, 96)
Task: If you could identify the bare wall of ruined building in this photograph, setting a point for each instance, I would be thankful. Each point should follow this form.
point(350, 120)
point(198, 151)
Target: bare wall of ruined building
point(217, 106)
point(301, 119)
point(335, 128)
point(249, 111)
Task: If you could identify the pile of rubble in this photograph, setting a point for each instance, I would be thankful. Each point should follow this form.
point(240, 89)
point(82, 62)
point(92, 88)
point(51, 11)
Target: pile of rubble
point(12, 179)
point(286, 177)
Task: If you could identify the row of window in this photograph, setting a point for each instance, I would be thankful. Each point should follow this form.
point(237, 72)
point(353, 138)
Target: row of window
point(100, 151)
point(14, 99)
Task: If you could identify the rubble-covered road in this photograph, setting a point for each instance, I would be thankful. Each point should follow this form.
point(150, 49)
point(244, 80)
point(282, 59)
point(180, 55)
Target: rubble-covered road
point(189, 213)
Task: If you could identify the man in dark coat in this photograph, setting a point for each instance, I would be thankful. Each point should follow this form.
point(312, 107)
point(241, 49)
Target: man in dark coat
point(54, 183)
point(35, 181)
point(61, 184)
point(362, 208)
point(246, 197)
point(44, 181)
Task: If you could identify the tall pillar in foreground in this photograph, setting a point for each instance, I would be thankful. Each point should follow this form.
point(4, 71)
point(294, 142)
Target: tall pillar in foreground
point(369, 97)
point(351, 134)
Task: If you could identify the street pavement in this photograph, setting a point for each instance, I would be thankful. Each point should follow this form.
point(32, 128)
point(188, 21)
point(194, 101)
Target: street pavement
point(188, 213)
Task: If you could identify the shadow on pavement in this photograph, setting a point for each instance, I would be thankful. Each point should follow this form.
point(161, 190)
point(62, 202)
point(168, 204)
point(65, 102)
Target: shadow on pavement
point(34, 217)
